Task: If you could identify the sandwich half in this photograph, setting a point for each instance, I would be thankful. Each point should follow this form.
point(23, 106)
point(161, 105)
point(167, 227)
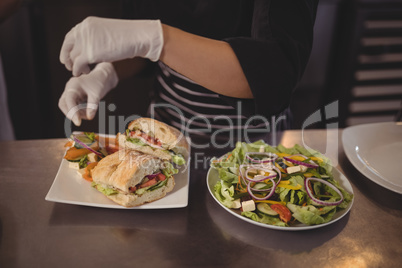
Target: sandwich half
point(131, 178)
point(155, 138)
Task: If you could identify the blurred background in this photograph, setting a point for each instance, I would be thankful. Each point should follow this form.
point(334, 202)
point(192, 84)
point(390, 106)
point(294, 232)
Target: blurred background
point(356, 60)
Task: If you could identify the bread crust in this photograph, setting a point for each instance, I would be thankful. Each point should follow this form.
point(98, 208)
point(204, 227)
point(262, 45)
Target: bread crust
point(124, 169)
point(131, 200)
point(171, 137)
point(123, 143)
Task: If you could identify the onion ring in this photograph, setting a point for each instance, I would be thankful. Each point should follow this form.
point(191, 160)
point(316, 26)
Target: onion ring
point(309, 165)
point(320, 202)
point(263, 177)
point(152, 175)
point(86, 146)
point(249, 190)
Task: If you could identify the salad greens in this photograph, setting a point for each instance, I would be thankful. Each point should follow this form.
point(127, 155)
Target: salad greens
point(90, 135)
point(295, 182)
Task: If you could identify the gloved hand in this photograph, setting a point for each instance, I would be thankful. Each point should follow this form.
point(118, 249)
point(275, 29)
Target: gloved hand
point(81, 96)
point(97, 40)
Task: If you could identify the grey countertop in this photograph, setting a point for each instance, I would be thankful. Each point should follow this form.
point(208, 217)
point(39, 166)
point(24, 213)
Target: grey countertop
point(39, 233)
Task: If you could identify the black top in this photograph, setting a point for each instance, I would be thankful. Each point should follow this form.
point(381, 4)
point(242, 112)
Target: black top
point(271, 38)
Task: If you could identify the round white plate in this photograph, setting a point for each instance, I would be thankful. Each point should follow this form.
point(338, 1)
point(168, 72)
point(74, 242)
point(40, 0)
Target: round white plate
point(376, 151)
point(213, 178)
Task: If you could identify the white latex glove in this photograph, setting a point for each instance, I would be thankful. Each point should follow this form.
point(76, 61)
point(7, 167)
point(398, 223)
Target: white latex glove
point(81, 96)
point(97, 40)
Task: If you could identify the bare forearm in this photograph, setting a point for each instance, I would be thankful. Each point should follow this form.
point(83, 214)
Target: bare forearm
point(129, 67)
point(210, 63)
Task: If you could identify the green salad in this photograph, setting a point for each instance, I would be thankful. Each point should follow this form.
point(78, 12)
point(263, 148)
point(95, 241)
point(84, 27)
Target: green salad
point(278, 185)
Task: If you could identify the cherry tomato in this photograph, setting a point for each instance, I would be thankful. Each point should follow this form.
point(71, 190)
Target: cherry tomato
point(284, 212)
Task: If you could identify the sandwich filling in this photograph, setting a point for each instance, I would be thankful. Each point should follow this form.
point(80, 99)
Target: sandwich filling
point(137, 136)
point(140, 138)
point(149, 183)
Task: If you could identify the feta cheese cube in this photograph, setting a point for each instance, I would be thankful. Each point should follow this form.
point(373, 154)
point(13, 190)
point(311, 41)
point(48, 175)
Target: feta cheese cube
point(236, 204)
point(293, 169)
point(74, 165)
point(262, 149)
point(252, 172)
point(303, 168)
point(92, 157)
point(248, 205)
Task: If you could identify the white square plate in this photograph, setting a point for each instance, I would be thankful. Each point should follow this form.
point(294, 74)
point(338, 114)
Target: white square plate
point(70, 188)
